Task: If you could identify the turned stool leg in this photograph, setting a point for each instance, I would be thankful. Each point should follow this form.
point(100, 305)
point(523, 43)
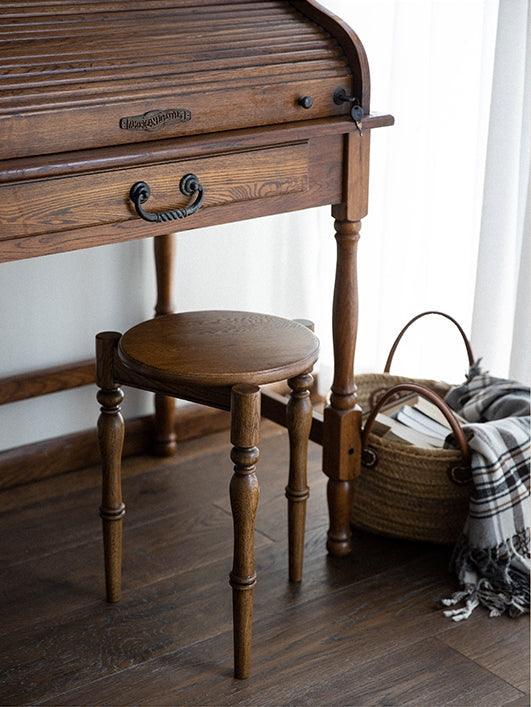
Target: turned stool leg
point(110, 437)
point(299, 419)
point(244, 494)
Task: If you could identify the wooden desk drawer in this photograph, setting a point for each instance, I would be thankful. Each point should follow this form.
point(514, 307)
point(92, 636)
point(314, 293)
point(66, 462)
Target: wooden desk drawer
point(47, 206)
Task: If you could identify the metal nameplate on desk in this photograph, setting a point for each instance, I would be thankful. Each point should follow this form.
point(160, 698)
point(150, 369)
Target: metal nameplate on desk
point(156, 119)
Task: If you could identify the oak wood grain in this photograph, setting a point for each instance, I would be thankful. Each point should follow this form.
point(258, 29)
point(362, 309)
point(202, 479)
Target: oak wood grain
point(214, 354)
point(274, 408)
point(349, 42)
point(71, 79)
point(44, 382)
point(325, 186)
point(425, 671)
point(149, 152)
point(56, 205)
point(69, 520)
point(60, 455)
point(165, 441)
point(219, 348)
point(244, 496)
point(79, 162)
point(299, 421)
point(495, 645)
point(111, 440)
point(354, 620)
point(342, 417)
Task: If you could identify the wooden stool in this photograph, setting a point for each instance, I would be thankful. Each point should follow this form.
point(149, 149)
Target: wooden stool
point(217, 359)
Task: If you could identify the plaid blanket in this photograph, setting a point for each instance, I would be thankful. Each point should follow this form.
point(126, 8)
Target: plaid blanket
point(492, 559)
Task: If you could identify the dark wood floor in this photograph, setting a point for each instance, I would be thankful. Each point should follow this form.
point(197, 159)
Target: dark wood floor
point(359, 631)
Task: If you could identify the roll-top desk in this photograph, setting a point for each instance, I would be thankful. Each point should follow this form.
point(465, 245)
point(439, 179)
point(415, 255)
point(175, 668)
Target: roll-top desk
point(123, 120)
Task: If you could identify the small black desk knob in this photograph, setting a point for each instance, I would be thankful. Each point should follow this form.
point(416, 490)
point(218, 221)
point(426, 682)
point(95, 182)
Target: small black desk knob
point(306, 102)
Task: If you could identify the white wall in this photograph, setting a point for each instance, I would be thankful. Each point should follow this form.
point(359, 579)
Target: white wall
point(431, 63)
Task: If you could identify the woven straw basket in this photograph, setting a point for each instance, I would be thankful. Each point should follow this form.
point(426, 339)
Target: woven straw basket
point(407, 491)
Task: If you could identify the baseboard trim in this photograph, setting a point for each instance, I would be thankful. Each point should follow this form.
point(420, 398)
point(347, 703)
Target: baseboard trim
point(44, 382)
point(60, 455)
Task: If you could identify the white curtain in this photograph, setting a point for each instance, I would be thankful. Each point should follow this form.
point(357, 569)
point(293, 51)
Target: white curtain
point(449, 225)
point(501, 325)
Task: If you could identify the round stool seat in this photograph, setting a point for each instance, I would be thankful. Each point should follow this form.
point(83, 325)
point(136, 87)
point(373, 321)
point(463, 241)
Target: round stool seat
point(219, 348)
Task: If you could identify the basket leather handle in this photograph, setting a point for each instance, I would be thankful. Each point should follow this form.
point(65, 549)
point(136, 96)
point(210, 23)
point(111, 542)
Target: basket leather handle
point(433, 398)
point(470, 354)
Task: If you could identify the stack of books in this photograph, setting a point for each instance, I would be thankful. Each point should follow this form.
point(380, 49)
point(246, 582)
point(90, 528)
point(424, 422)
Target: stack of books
point(414, 421)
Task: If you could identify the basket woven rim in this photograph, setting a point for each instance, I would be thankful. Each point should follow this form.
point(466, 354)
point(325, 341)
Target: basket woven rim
point(410, 450)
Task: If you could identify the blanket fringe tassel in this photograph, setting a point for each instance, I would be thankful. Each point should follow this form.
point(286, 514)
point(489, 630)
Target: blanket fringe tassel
point(497, 578)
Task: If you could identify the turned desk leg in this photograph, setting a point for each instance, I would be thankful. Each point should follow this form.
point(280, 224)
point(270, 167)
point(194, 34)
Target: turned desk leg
point(111, 439)
point(299, 421)
point(165, 442)
point(244, 494)
point(342, 417)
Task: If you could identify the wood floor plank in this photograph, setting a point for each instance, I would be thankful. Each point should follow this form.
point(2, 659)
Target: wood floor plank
point(407, 676)
point(306, 646)
point(522, 701)
point(499, 644)
point(56, 486)
point(40, 590)
point(90, 477)
point(68, 520)
point(304, 642)
point(358, 630)
point(164, 617)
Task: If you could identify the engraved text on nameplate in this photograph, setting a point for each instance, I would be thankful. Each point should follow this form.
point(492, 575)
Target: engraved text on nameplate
point(156, 119)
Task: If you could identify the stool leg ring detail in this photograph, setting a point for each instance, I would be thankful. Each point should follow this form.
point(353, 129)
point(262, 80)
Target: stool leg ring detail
point(244, 494)
point(299, 420)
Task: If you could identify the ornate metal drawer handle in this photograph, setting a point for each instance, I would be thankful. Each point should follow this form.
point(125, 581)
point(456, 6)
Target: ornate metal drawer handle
point(189, 186)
